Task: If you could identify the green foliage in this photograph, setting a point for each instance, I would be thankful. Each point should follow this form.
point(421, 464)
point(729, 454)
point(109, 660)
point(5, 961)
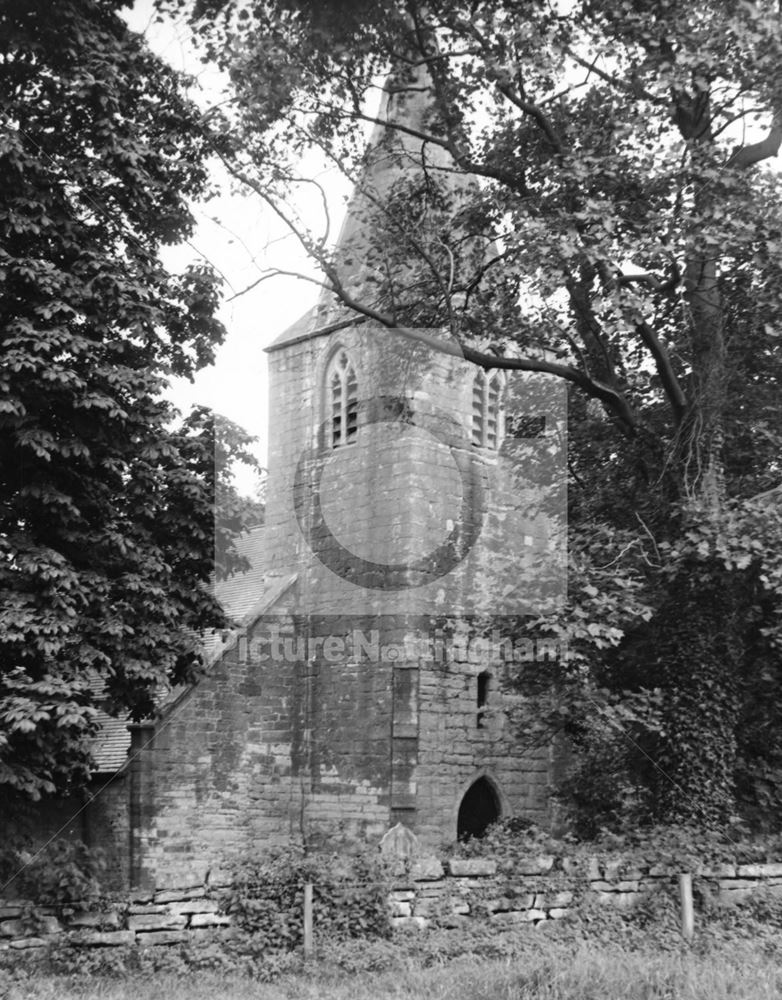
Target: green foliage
point(106, 499)
point(681, 847)
point(511, 839)
point(239, 955)
point(757, 918)
point(678, 721)
point(62, 873)
point(266, 896)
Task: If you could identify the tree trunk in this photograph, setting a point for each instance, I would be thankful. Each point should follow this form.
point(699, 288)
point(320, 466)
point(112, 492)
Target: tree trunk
point(698, 630)
point(699, 445)
point(696, 659)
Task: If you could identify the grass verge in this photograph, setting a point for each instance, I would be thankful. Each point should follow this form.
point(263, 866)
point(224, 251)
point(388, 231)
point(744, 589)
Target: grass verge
point(556, 971)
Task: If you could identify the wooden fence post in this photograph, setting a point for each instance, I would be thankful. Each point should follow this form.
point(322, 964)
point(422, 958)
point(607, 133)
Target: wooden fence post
point(688, 916)
point(308, 920)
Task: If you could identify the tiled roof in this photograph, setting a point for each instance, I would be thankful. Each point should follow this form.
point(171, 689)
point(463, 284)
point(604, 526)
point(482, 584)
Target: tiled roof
point(240, 595)
point(110, 749)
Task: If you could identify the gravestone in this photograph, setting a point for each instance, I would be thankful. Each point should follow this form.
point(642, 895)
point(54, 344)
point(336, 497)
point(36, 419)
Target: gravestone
point(399, 842)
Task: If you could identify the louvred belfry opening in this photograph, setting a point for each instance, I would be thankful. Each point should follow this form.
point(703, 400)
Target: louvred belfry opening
point(343, 399)
point(487, 410)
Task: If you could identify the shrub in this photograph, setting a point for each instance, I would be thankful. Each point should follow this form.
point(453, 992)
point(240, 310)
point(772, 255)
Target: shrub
point(357, 957)
point(266, 896)
point(756, 919)
point(62, 873)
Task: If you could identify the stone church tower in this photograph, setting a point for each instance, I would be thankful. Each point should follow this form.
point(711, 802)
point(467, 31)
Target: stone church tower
point(352, 694)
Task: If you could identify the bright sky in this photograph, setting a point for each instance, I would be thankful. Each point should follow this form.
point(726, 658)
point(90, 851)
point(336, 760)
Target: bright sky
point(241, 238)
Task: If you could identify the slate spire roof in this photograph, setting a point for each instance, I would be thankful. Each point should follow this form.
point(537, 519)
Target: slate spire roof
point(391, 155)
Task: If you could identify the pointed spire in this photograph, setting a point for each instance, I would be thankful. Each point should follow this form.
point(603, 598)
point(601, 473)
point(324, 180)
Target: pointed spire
point(392, 154)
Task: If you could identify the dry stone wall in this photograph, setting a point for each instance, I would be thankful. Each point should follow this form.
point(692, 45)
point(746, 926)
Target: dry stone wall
point(430, 893)
point(546, 888)
point(172, 916)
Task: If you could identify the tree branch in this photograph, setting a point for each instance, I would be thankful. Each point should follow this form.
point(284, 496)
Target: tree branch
point(665, 370)
point(650, 339)
point(610, 397)
point(651, 281)
point(747, 156)
point(404, 233)
point(534, 112)
point(632, 87)
point(527, 107)
point(275, 272)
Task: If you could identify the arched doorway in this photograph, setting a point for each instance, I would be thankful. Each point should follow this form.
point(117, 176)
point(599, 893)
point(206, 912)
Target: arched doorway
point(479, 808)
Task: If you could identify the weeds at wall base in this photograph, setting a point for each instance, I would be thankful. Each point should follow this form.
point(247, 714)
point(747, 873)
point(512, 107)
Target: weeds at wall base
point(650, 930)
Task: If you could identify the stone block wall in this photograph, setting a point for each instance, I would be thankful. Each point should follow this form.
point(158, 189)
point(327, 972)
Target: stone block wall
point(307, 747)
point(219, 776)
point(545, 888)
point(267, 751)
point(432, 893)
point(454, 750)
point(163, 918)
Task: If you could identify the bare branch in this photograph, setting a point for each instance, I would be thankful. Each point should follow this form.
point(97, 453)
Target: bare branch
point(651, 536)
point(403, 232)
point(654, 345)
point(275, 272)
point(227, 229)
point(324, 200)
point(425, 137)
point(591, 331)
point(614, 400)
point(476, 279)
point(211, 263)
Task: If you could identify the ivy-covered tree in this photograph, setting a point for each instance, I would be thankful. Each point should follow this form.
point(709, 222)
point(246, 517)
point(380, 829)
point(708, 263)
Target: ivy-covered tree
point(614, 158)
point(106, 506)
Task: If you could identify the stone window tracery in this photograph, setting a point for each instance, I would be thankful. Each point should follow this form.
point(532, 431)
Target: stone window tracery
point(341, 400)
point(487, 409)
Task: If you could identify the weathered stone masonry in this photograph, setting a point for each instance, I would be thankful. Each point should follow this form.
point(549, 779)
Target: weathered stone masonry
point(433, 893)
point(284, 741)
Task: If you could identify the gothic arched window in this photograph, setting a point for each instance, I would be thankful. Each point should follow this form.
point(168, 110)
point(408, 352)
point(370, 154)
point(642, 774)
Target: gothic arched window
point(341, 400)
point(487, 413)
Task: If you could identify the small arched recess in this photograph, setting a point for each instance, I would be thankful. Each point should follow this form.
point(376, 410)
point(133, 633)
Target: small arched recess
point(481, 805)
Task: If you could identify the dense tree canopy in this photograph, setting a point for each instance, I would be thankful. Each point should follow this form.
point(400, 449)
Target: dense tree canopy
point(616, 157)
point(106, 529)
